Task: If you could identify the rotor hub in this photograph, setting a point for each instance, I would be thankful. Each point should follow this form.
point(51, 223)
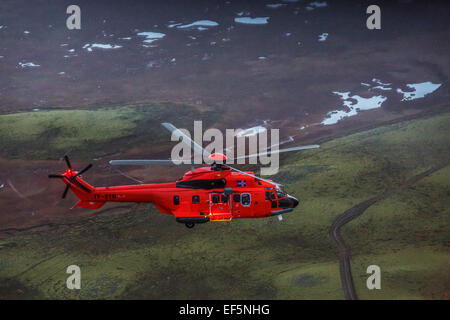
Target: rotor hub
point(217, 157)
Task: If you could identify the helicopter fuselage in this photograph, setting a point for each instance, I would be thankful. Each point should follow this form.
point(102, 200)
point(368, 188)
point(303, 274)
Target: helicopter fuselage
point(205, 194)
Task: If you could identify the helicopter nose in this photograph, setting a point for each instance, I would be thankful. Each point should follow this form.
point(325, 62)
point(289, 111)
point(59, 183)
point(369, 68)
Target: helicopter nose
point(294, 201)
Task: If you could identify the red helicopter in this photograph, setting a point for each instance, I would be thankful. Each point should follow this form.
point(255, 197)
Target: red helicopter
point(211, 193)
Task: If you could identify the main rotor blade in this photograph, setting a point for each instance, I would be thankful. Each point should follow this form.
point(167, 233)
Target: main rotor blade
point(167, 162)
point(84, 170)
point(179, 134)
point(312, 146)
point(66, 190)
point(253, 176)
point(67, 161)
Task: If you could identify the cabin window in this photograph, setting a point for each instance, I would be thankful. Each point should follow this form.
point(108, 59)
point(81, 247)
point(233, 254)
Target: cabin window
point(246, 199)
point(215, 198)
point(224, 198)
point(267, 195)
point(195, 199)
point(272, 195)
point(236, 197)
point(176, 200)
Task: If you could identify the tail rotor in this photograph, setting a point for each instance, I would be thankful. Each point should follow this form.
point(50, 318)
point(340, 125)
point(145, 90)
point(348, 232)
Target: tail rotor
point(71, 177)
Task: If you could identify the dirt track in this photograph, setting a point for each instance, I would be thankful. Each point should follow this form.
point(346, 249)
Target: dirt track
point(352, 213)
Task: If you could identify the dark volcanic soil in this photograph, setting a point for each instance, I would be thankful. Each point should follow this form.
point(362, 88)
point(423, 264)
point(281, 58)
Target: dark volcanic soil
point(275, 71)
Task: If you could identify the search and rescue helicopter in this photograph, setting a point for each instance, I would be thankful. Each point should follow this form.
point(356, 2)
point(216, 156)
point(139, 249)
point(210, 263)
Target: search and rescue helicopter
point(217, 192)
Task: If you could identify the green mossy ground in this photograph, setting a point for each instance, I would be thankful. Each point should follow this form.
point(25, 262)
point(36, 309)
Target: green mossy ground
point(89, 134)
point(144, 254)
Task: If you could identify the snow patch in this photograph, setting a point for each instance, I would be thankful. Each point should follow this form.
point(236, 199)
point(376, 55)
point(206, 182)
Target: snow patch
point(420, 90)
point(353, 108)
point(248, 20)
point(323, 36)
point(382, 88)
point(275, 5)
point(316, 4)
point(151, 36)
point(89, 47)
point(28, 64)
point(200, 25)
point(378, 81)
point(381, 85)
point(173, 25)
point(250, 131)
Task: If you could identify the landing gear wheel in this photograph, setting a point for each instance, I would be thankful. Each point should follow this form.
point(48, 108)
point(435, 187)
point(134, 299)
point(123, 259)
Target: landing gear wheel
point(190, 225)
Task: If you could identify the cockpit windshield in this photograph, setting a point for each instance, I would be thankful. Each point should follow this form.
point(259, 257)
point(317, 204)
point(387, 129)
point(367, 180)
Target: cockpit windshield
point(281, 193)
